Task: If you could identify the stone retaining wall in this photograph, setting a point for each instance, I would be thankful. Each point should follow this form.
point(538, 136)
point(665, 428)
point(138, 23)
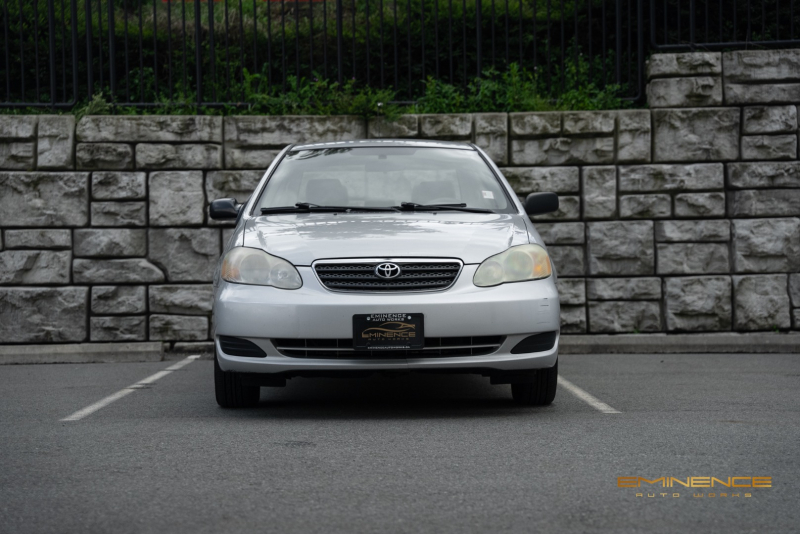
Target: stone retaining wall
point(679, 218)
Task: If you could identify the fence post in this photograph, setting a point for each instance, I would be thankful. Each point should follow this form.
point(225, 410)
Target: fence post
point(618, 40)
point(74, 23)
point(89, 60)
point(339, 42)
point(51, 22)
point(640, 48)
point(479, 38)
point(211, 50)
point(653, 40)
point(198, 57)
point(112, 75)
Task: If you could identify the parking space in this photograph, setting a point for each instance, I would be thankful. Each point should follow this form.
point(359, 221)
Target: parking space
point(401, 453)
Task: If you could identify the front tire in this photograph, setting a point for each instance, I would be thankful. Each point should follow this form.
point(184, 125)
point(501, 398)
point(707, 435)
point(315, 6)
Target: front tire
point(230, 391)
point(540, 392)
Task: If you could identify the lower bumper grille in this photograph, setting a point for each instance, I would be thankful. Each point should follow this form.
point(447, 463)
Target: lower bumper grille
point(536, 343)
point(435, 347)
point(235, 346)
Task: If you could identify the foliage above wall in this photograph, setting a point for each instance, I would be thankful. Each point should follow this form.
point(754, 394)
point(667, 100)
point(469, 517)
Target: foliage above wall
point(513, 90)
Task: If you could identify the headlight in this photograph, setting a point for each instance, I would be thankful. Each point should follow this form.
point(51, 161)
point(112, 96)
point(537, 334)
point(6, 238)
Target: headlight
point(517, 264)
point(243, 265)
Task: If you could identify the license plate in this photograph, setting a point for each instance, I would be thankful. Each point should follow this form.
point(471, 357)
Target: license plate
point(388, 331)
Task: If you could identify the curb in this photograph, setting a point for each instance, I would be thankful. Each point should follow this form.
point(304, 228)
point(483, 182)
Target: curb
point(758, 343)
point(81, 353)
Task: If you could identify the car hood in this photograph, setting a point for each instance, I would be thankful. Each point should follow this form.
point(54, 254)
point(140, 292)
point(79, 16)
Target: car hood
point(304, 238)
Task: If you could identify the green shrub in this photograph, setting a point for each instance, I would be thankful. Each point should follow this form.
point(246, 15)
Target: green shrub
point(518, 89)
point(513, 90)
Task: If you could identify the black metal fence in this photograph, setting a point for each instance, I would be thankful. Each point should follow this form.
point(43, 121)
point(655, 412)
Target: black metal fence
point(723, 24)
point(57, 53)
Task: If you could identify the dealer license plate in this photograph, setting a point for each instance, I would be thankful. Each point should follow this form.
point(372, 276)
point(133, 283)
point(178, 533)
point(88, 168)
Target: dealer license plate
point(388, 331)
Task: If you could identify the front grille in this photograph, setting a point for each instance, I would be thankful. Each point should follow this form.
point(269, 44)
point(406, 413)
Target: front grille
point(234, 346)
point(435, 347)
point(414, 276)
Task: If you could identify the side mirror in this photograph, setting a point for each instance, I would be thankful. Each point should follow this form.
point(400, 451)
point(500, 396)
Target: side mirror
point(225, 208)
point(538, 203)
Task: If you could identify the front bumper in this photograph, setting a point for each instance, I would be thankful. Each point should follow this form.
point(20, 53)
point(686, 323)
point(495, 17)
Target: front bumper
point(259, 314)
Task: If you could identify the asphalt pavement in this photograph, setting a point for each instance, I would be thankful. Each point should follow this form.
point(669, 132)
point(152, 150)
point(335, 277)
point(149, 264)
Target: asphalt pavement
point(410, 453)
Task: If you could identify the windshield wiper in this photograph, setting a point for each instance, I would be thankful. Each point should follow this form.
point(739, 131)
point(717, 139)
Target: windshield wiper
point(307, 207)
point(441, 207)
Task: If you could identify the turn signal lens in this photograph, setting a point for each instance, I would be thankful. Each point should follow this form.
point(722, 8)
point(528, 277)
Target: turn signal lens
point(517, 264)
point(243, 265)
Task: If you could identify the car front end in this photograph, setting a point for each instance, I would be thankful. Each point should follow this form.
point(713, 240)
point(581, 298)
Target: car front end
point(319, 290)
point(311, 328)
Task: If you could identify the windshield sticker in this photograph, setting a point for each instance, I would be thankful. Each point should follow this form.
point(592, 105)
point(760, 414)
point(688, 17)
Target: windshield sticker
point(487, 194)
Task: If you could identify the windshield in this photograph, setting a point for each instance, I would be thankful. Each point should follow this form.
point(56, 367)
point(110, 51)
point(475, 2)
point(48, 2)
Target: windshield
point(384, 176)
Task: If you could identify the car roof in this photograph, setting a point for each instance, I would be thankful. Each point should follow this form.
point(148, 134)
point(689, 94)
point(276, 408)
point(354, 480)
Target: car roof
point(364, 143)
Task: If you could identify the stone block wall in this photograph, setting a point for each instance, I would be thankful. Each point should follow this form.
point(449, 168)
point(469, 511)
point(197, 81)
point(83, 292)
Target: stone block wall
point(684, 217)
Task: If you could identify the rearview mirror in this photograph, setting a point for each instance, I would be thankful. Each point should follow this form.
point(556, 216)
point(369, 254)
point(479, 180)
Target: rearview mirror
point(224, 208)
point(538, 203)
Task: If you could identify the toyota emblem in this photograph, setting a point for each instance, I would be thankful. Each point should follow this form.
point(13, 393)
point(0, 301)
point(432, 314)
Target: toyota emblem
point(387, 270)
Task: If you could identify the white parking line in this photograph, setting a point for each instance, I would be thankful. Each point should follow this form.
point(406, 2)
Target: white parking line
point(592, 401)
point(80, 414)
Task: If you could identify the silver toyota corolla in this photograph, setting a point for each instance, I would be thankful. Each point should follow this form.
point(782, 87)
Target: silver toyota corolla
point(358, 257)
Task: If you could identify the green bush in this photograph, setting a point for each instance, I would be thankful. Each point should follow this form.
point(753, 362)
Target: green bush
point(513, 90)
point(517, 89)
